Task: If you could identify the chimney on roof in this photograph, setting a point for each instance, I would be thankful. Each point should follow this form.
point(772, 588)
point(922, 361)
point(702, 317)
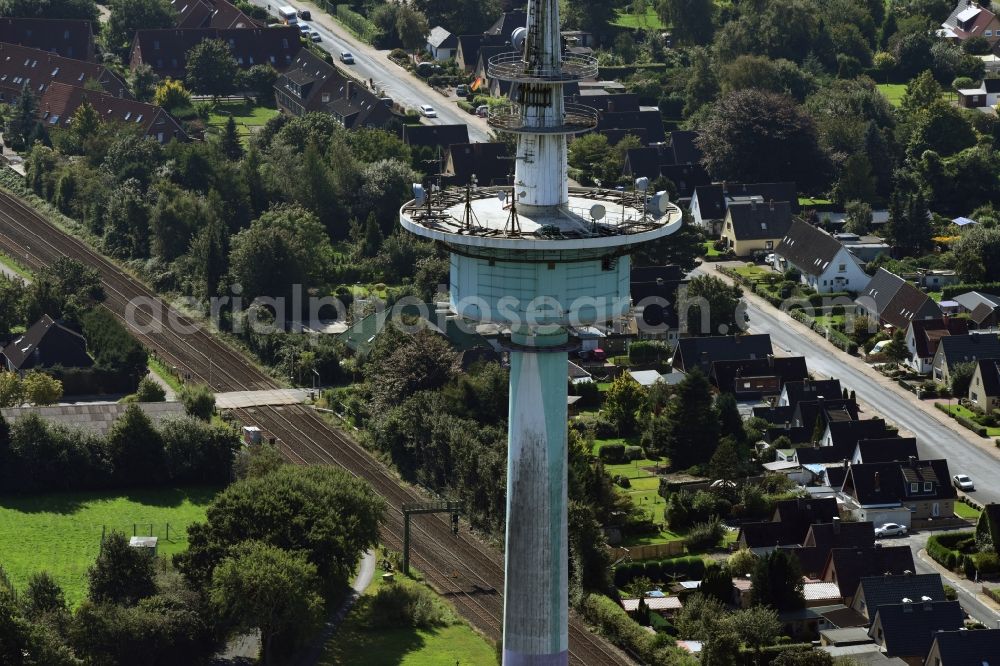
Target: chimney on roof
point(836, 525)
point(725, 186)
point(878, 482)
point(753, 204)
point(350, 89)
point(913, 461)
point(772, 204)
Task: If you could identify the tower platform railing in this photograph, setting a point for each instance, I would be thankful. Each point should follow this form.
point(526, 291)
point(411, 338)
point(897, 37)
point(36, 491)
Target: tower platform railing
point(512, 67)
point(577, 118)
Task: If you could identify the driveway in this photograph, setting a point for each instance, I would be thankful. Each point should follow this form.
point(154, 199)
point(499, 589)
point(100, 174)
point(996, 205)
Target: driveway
point(372, 64)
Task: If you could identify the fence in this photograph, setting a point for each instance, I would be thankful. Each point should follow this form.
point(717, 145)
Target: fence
point(174, 535)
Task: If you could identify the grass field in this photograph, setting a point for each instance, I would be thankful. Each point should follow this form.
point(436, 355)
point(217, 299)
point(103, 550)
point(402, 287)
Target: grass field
point(963, 510)
point(627, 19)
point(247, 117)
point(812, 201)
point(163, 373)
point(61, 533)
point(893, 92)
point(710, 250)
point(356, 643)
point(753, 273)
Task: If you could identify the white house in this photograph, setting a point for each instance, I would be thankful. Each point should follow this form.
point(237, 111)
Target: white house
point(441, 44)
point(986, 94)
point(825, 264)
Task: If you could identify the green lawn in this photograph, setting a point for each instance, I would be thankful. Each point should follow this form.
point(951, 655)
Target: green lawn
point(161, 371)
point(627, 19)
point(14, 265)
point(959, 410)
point(753, 273)
point(61, 533)
point(247, 117)
point(811, 201)
point(356, 643)
point(710, 250)
point(893, 92)
point(935, 296)
point(831, 321)
point(963, 510)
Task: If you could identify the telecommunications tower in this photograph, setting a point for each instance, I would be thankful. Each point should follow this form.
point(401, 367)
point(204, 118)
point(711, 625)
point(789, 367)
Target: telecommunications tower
point(539, 259)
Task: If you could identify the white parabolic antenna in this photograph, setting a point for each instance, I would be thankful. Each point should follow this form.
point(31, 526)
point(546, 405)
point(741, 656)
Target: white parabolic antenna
point(659, 203)
point(517, 38)
point(597, 212)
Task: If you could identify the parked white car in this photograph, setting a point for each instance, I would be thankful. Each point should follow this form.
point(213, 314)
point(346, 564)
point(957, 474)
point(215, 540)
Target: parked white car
point(427, 111)
point(890, 529)
point(963, 482)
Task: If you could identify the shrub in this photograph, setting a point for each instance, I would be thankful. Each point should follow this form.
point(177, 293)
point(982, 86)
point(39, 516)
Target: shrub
point(415, 606)
point(704, 536)
point(987, 563)
point(623, 481)
point(612, 453)
point(615, 624)
point(633, 452)
point(150, 391)
point(648, 351)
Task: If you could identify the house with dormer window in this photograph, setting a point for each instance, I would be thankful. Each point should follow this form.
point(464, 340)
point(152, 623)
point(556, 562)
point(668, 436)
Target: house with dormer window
point(912, 492)
point(822, 260)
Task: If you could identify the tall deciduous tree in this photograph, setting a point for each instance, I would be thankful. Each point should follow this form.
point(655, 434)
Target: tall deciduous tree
point(777, 581)
point(264, 588)
point(211, 68)
point(121, 574)
point(50, 9)
point(691, 423)
point(754, 136)
point(621, 401)
point(127, 16)
point(710, 306)
point(41, 389)
point(691, 19)
point(411, 27)
point(961, 378)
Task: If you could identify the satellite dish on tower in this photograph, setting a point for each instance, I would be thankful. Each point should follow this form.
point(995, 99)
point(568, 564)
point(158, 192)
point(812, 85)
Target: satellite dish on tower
point(642, 184)
point(658, 203)
point(419, 194)
point(502, 196)
point(597, 212)
point(517, 38)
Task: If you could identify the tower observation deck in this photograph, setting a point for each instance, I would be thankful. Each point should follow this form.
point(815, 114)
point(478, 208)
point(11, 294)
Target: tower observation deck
point(538, 259)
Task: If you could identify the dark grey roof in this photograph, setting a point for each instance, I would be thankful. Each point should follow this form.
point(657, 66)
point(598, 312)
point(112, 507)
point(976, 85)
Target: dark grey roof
point(808, 248)
point(811, 389)
point(969, 348)
point(508, 23)
point(686, 151)
point(989, 370)
point(908, 629)
point(887, 483)
point(702, 352)
point(970, 300)
point(887, 449)
point(712, 198)
point(847, 434)
point(790, 368)
point(647, 125)
point(435, 135)
point(45, 344)
point(882, 590)
point(852, 564)
point(490, 162)
point(881, 289)
point(757, 221)
point(907, 304)
point(823, 537)
point(969, 648)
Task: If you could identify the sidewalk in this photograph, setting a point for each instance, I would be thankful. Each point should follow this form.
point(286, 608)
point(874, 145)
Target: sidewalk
point(858, 364)
point(962, 585)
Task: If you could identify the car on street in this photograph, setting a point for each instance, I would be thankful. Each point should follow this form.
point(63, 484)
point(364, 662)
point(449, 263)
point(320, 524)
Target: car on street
point(304, 29)
point(427, 111)
point(890, 529)
point(347, 57)
point(963, 482)
point(462, 90)
point(315, 36)
point(305, 15)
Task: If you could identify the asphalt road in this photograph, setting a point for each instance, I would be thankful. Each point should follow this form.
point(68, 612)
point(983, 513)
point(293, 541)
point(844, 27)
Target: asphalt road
point(934, 439)
point(370, 63)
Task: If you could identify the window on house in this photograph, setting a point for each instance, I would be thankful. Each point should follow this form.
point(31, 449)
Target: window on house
point(842, 268)
point(989, 33)
point(914, 487)
point(325, 97)
point(769, 245)
point(763, 225)
point(156, 45)
point(928, 486)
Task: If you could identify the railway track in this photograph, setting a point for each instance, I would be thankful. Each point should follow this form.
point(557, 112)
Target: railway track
point(461, 567)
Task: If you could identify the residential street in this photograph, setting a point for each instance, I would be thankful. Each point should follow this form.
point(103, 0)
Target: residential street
point(370, 63)
point(937, 436)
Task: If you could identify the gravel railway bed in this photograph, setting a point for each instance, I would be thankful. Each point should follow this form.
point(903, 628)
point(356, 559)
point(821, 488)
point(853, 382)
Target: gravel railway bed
point(461, 567)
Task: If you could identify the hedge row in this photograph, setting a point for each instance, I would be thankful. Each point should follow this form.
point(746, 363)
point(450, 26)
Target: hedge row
point(955, 289)
point(614, 72)
point(362, 28)
point(980, 430)
point(690, 567)
point(615, 625)
point(943, 548)
point(834, 337)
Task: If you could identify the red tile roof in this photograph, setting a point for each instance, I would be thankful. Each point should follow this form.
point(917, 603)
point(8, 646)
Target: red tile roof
point(21, 66)
point(61, 101)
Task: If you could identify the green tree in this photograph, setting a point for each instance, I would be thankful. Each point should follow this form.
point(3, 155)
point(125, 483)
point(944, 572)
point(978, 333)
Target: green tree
point(753, 136)
point(590, 15)
point(909, 227)
point(171, 94)
point(859, 217)
point(199, 401)
point(699, 618)
point(11, 390)
point(777, 581)
point(691, 19)
point(756, 626)
point(897, 350)
point(692, 424)
point(23, 127)
point(230, 141)
point(884, 64)
point(264, 588)
point(857, 183)
point(400, 365)
point(921, 93)
point(725, 463)
point(373, 238)
point(12, 295)
point(127, 16)
point(41, 389)
point(730, 421)
point(259, 80)
point(710, 305)
point(702, 86)
point(977, 253)
point(50, 9)
point(42, 597)
point(135, 448)
point(741, 562)
point(121, 574)
point(717, 582)
point(150, 391)
point(411, 27)
point(805, 657)
point(211, 68)
point(621, 401)
point(322, 512)
point(143, 82)
point(961, 378)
